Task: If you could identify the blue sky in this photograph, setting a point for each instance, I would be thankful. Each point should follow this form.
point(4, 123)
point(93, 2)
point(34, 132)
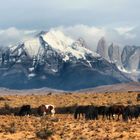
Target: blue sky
point(107, 15)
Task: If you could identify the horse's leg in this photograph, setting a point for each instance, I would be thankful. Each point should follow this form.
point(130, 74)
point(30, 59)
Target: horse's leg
point(75, 115)
point(113, 116)
point(44, 113)
point(107, 116)
point(78, 115)
point(110, 116)
point(102, 116)
point(96, 116)
point(130, 117)
point(82, 115)
point(118, 116)
point(52, 114)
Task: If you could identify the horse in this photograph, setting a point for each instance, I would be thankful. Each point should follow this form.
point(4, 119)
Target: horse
point(91, 113)
point(25, 110)
point(104, 111)
point(116, 110)
point(80, 110)
point(46, 109)
point(131, 112)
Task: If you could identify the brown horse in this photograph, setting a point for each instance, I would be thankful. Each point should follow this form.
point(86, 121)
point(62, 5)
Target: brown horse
point(116, 110)
point(46, 109)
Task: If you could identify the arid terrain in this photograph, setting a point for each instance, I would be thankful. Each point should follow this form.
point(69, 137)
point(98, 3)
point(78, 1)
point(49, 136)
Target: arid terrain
point(64, 126)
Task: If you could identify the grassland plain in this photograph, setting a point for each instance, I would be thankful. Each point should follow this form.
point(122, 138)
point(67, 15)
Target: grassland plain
point(63, 126)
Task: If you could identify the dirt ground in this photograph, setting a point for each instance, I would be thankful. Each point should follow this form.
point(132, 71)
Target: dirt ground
point(63, 126)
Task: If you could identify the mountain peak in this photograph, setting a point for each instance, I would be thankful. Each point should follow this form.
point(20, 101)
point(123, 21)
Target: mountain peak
point(102, 48)
point(82, 42)
point(41, 33)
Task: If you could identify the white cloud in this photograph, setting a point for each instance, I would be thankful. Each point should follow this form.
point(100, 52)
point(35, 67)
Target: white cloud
point(126, 31)
point(13, 35)
point(92, 34)
point(123, 30)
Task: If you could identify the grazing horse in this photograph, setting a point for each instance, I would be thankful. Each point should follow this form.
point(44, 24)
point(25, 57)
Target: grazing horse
point(104, 111)
point(116, 110)
point(25, 110)
point(131, 112)
point(91, 113)
point(80, 110)
point(46, 109)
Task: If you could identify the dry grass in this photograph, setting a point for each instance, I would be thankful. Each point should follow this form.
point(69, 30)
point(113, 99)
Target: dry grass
point(63, 126)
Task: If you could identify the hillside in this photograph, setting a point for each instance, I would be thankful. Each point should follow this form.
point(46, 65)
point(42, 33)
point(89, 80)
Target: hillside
point(123, 87)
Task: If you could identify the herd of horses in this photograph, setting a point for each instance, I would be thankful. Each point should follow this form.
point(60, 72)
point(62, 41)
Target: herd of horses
point(41, 110)
point(91, 112)
point(88, 112)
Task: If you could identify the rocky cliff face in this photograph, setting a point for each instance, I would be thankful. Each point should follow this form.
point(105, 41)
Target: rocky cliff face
point(131, 58)
point(115, 54)
point(102, 48)
point(127, 60)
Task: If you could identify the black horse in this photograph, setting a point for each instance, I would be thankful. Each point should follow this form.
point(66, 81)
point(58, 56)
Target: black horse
point(131, 112)
point(91, 113)
point(116, 110)
point(88, 112)
point(25, 110)
point(80, 111)
point(104, 111)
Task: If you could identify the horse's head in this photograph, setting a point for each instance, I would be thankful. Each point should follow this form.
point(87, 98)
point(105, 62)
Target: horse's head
point(50, 107)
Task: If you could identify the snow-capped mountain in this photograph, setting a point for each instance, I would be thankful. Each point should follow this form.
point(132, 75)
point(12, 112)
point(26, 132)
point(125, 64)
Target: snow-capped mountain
point(54, 60)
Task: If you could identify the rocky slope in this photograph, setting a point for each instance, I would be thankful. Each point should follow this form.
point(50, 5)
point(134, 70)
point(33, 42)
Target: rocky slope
point(102, 48)
point(127, 59)
point(131, 58)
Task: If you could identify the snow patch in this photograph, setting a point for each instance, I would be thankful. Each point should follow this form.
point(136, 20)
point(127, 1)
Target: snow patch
point(32, 47)
point(65, 45)
point(31, 75)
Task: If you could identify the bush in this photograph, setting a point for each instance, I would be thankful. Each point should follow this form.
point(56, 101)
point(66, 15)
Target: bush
point(49, 93)
point(2, 99)
point(7, 106)
point(44, 133)
point(11, 128)
point(129, 102)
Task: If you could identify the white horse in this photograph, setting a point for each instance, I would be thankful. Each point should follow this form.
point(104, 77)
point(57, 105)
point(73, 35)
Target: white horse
point(51, 108)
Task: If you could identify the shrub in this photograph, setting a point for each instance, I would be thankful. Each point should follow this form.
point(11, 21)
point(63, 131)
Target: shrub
point(49, 93)
point(44, 133)
point(129, 102)
point(11, 128)
point(7, 106)
point(2, 99)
